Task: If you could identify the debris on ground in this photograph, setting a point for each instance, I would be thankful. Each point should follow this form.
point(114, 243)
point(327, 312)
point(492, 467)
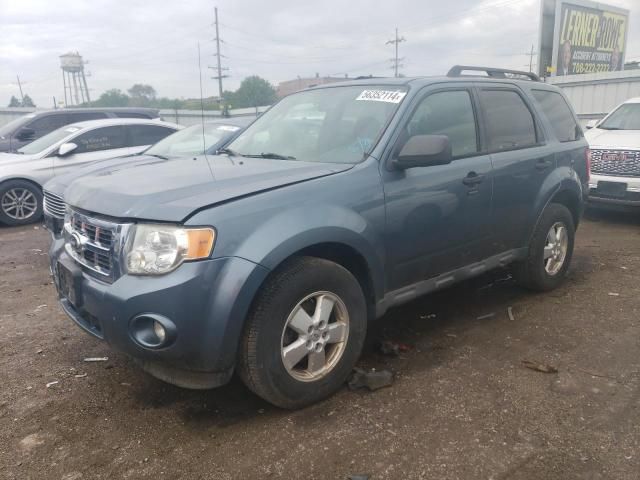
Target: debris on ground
point(539, 367)
point(373, 380)
point(96, 359)
point(82, 375)
point(393, 349)
point(614, 294)
point(510, 313)
point(358, 477)
point(484, 317)
point(51, 384)
point(427, 316)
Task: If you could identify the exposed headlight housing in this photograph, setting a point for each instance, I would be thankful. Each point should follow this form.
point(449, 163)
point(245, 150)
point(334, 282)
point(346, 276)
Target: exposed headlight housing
point(160, 249)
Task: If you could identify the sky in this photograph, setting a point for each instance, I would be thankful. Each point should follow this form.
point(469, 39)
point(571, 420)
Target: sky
point(156, 41)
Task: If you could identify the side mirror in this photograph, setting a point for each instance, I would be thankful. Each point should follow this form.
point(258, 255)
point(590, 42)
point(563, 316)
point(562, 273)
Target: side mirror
point(591, 124)
point(25, 134)
point(424, 151)
point(66, 149)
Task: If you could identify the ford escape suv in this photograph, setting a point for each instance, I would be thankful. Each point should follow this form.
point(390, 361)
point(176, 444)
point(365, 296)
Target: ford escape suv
point(270, 258)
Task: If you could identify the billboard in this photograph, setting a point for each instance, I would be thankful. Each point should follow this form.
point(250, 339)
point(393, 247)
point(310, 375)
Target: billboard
point(578, 36)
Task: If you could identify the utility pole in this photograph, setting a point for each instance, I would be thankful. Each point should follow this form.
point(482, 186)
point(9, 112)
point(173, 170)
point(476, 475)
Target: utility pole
point(218, 56)
point(396, 61)
point(531, 59)
point(20, 87)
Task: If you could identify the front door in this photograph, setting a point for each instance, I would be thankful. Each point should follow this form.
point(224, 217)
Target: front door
point(94, 145)
point(437, 216)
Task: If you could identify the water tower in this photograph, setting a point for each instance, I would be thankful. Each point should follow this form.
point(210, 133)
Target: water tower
point(73, 79)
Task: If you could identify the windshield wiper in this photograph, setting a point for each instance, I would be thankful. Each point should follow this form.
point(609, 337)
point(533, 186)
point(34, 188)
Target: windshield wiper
point(610, 128)
point(274, 156)
point(157, 156)
point(227, 151)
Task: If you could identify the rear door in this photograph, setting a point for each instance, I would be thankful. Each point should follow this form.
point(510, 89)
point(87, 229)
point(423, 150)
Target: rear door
point(97, 144)
point(521, 160)
point(141, 137)
point(438, 216)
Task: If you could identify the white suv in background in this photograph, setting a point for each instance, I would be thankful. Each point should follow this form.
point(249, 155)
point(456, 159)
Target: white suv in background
point(615, 156)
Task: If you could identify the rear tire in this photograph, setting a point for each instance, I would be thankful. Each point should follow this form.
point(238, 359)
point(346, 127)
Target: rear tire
point(550, 250)
point(304, 333)
point(20, 202)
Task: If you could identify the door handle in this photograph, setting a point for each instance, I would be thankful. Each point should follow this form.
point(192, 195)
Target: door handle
point(543, 164)
point(472, 179)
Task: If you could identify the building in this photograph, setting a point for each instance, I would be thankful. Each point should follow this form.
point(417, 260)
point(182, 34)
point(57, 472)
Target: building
point(290, 86)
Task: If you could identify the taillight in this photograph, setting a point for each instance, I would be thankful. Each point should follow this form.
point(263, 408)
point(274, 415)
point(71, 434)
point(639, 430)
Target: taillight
point(587, 157)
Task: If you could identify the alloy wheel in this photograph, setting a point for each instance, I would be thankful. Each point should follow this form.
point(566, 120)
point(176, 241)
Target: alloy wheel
point(555, 249)
point(19, 203)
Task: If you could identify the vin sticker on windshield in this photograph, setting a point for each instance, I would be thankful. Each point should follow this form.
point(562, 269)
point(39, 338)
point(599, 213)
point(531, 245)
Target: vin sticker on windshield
point(382, 96)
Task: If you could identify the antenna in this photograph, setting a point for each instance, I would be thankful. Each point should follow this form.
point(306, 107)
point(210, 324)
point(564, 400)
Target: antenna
point(204, 145)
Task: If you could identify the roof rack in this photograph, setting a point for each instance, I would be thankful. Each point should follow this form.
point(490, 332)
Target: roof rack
point(456, 71)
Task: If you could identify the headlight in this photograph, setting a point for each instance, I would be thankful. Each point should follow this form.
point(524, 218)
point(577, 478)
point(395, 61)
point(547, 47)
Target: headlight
point(158, 249)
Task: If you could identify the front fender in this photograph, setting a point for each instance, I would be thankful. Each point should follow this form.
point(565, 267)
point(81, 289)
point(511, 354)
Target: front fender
point(294, 230)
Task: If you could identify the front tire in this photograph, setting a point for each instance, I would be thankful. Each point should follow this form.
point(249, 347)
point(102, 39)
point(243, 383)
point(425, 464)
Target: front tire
point(550, 250)
point(304, 334)
point(20, 203)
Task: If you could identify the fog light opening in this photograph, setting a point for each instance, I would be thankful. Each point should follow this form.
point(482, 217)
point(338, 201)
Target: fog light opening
point(152, 331)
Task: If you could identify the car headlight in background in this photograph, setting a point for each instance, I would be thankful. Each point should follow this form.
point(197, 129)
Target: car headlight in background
point(159, 249)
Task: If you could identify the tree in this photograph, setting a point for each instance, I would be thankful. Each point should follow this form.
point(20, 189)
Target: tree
point(142, 94)
point(27, 102)
point(14, 102)
point(254, 92)
point(112, 98)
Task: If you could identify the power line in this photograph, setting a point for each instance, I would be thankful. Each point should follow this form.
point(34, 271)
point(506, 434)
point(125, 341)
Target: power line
point(395, 61)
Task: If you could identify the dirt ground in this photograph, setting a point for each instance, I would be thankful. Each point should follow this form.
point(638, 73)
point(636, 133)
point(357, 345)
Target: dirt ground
point(462, 407)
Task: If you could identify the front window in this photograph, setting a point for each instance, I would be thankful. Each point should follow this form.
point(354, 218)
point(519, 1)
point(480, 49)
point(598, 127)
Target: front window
point(335, 125)
point(190, 141)
point(48, 140)
point(13, 126)
point(625, 117)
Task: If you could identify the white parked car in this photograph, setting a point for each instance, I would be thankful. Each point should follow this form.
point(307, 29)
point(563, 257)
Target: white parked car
point(614, 144)
point(22, 174)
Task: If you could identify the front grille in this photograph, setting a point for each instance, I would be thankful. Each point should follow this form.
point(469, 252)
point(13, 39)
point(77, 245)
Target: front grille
point(625, 163)
point(93, 242)
point(54, 205)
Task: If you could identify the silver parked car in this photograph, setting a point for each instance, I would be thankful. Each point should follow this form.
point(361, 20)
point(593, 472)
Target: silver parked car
point(22, 174)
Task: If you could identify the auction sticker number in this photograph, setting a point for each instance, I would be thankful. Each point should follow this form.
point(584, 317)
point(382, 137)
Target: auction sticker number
point(382, 96)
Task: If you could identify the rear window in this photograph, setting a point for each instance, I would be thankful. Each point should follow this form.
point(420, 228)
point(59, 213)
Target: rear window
point(147, 134)
point(510, 124)
point(84, 116)
point(559, 114)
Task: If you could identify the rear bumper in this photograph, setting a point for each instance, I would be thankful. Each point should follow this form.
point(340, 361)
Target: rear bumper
point(207, 301)
point(630, 198)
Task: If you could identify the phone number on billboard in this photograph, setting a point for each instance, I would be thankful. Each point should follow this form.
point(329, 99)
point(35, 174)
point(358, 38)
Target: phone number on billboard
point(591, 67)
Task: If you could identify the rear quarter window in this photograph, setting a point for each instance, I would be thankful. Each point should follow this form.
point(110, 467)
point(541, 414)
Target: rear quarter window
point(555, 108)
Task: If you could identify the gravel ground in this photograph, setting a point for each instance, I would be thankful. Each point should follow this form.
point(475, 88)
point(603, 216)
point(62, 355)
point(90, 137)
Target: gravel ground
point(462, 405)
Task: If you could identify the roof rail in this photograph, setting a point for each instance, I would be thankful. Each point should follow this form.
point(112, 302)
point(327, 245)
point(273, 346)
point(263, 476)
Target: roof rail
point(456, 71)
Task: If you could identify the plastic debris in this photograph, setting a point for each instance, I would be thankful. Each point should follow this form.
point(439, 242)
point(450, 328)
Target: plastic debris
point(80, 375)
point(358, 477)
point(393, 349)
point(372, 380)
point(510, 313)
point(614, 294)
point(96, 359)
point(539, 367)
point(484, 317)
point(51, 384)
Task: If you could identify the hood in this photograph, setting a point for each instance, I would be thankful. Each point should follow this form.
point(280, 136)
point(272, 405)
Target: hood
point(170, 190)
point(613, 139)
point(7, 159)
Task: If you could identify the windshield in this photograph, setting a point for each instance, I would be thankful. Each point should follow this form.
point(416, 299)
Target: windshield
point(336, 125)
point(12, 126)
point(189, 141)
point(46, 141)
point(625, 117)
